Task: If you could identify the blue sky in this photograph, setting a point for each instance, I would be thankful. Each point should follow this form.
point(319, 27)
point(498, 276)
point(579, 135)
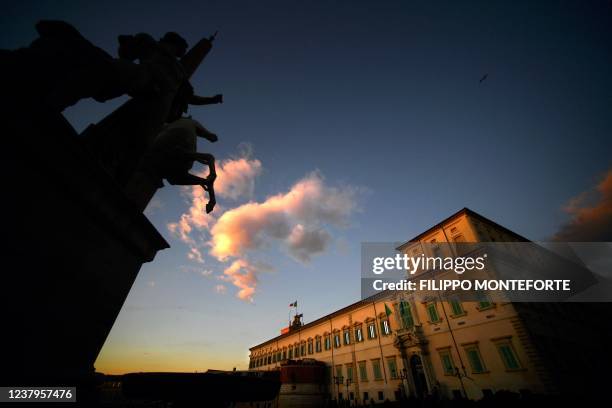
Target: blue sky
point(383, 98)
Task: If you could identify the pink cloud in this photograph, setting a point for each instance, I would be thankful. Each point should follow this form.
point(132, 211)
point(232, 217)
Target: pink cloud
point(244, 276)
point(298, 221)
point(235, 179)
point(295, 219)
point(591, 213)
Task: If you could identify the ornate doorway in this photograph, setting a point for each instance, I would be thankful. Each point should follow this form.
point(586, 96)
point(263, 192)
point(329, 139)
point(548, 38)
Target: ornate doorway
point(418, 375)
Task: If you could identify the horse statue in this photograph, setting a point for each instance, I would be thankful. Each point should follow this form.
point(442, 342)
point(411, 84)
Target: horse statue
point(170, 157)
point(61, 67)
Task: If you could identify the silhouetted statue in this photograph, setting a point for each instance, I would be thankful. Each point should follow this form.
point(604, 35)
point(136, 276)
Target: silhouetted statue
point(171, 157)
point(61, 67)
point(122, 138)
point(96, 186)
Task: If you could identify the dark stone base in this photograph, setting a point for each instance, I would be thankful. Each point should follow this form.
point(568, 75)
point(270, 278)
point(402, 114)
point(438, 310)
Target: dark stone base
point(72, 247)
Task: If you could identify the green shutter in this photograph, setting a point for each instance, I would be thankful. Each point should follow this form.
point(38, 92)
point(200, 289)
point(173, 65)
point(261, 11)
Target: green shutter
point(447, 363)
point(363, 372)
point(456, 306)
point(475, 361)
point(377, 372)
point(406, 315)
point(433, 312)
point(508, 356)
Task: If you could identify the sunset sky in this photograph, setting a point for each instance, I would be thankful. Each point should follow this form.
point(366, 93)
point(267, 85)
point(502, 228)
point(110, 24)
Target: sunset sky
point(347, 122)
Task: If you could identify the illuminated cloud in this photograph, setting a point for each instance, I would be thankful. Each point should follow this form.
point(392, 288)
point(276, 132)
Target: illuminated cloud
point(235, 179)
point(304, 243)
point(195, 255)
point(296, 219)
point(591, 214)
point(299, 221)
point(243, 275)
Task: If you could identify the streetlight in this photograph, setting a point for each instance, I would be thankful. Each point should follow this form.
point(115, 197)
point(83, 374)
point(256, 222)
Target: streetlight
point(338, 380)
point(348, 384)
point(403, 375)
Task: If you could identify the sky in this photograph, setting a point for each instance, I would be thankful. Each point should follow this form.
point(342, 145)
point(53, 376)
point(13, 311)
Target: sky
point(343, 123)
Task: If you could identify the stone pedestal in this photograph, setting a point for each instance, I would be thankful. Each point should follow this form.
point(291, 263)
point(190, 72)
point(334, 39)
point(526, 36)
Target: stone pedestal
point(72, 247)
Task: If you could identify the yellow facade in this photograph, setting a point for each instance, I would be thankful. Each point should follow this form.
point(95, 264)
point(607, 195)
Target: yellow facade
point(420, 348)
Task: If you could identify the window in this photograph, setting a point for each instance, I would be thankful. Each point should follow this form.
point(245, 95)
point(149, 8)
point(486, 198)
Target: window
point(406, 315)
point(508, 356)
point(366, 396)
point(432, 312)
point(290, 352)
point(447, 362)
point(363, 372)
point(303, 350)
point(284, 354)
point(435, 248)
point(376, 369)
point(274, 358)
point(337, 340)
point(456, 307)
point(392, 367)
point(297, 351)
point(349, 372)
point(381, 395)
point(347, 337)
point(484, 302)
point(327, 342)
point(384, 327)
point(372, 330)
point(318, 345)
point(459, 238)
point(475, 359)
point(358, 334)
point(310, 351)
point(339, 372)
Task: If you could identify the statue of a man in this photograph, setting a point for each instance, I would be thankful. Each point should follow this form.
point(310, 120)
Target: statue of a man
point(121, 139)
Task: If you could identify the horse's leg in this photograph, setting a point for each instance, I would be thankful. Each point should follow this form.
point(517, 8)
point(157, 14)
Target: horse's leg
point(188, 179)
point(211, 197)
point(206, 159)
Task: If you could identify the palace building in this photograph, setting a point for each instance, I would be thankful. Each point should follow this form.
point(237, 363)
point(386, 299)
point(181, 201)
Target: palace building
point(392, 346)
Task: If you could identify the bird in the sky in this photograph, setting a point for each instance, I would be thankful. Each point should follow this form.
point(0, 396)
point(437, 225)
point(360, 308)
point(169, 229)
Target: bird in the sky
point(483, 78)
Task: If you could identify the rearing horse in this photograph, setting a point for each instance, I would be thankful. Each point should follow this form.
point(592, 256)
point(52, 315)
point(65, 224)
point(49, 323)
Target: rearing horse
point(174, 151)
